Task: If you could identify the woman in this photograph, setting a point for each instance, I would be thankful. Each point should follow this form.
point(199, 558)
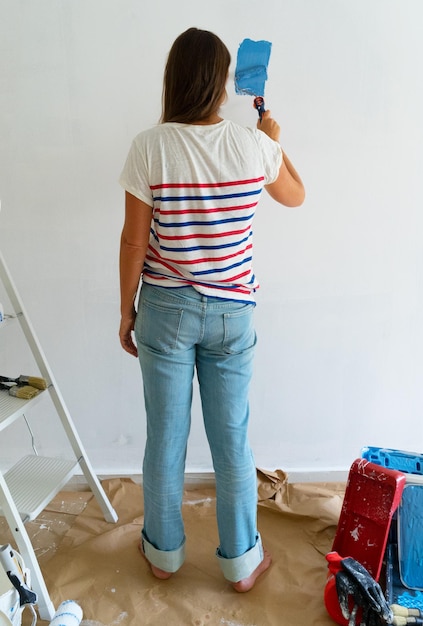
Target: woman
point(192, 184)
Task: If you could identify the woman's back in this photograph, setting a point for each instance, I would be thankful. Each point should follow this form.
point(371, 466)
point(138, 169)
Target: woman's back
point(204, 182)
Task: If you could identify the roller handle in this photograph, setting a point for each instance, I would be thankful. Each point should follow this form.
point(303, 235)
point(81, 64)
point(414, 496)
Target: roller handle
point(259, 105)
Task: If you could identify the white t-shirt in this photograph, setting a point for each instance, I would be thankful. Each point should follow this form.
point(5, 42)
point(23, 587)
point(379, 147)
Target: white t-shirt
point(204, 183)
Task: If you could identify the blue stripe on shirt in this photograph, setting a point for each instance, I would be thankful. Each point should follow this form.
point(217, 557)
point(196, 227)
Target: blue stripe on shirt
point(195, 248)
point(217, 270)
point(203, 223)
point(202, 198)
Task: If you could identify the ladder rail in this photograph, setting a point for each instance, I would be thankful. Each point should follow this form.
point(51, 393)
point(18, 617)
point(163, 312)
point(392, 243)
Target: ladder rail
point(17, 528)
point(56, 396)
point(7, 504)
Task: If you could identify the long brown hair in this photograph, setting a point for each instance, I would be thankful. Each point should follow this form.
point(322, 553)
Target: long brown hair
point(195, 77)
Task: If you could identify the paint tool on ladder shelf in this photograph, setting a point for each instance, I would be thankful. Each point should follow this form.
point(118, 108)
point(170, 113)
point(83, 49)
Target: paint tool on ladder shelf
point(23, 379)
point(251, 71)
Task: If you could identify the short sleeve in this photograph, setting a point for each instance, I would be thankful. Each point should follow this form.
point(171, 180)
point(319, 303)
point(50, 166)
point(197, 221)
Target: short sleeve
point(134, 177)
point(271, 154)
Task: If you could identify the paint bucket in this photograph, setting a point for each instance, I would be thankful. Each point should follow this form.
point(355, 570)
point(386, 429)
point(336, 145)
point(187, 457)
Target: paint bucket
point(10, 611)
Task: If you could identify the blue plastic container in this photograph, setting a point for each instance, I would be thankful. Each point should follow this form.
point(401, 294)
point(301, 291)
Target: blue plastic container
point(410, 537)
point(408, 462)
point(395, 591)
point(409, 540)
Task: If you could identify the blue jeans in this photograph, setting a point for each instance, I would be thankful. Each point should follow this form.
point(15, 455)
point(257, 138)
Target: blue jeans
point(178, 332)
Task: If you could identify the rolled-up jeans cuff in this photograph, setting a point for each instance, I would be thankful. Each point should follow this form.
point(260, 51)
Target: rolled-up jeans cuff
point(242, 566)
point(167, 560)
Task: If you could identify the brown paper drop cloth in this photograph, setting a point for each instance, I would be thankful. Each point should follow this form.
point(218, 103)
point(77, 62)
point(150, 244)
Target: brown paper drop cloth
point(97, 564)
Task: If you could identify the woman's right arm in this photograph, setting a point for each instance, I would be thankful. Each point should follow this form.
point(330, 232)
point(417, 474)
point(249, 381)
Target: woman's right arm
point(288, 188)
point(133, 248)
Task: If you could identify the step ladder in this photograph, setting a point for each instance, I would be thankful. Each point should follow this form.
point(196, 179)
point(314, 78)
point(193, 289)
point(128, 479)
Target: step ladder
point(27, 487)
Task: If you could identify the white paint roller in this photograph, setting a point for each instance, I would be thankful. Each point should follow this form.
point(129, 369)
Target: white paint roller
point(69, 613)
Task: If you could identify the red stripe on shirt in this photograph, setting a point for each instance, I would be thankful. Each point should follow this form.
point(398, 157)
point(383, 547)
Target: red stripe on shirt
point(206, 185)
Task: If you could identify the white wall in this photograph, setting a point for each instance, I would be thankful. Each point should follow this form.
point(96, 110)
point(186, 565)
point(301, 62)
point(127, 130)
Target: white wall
point(339, 316)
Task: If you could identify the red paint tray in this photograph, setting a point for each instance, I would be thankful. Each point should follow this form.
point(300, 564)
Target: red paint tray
point(372, 496)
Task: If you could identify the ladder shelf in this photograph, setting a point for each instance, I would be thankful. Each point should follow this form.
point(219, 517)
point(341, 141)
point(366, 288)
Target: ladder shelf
point(27, 487)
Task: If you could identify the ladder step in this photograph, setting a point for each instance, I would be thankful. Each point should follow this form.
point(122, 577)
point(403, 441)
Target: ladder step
point(12, 408)
point(35, 480)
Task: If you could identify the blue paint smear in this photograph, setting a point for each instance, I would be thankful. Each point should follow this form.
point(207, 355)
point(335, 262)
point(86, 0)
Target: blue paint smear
point(251, 68)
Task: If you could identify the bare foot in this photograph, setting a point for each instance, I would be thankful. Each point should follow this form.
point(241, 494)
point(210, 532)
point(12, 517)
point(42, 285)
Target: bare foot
point(156, 571)
point(248, 583)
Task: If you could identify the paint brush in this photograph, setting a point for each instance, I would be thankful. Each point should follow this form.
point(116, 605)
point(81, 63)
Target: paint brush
point(24, 392)
point(406, 621)
point(404, 611)
point(33, 381)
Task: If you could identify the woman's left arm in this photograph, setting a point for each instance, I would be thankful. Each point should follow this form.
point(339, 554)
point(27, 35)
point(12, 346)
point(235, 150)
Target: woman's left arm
point(133, 248)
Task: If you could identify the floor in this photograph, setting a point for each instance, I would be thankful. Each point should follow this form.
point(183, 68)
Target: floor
point(97, 564)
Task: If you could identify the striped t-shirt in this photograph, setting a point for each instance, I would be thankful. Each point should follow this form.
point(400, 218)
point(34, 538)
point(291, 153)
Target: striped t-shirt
point(204, 183)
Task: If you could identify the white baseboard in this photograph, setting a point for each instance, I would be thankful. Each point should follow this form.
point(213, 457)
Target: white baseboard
point(318, 476)
point(206, 479)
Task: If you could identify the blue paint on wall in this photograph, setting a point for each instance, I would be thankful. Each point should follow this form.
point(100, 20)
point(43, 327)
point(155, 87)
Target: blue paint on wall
point(251, 67)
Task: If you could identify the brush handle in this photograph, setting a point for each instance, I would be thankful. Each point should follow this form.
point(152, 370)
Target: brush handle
point(259, 105)
point(6, 379)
